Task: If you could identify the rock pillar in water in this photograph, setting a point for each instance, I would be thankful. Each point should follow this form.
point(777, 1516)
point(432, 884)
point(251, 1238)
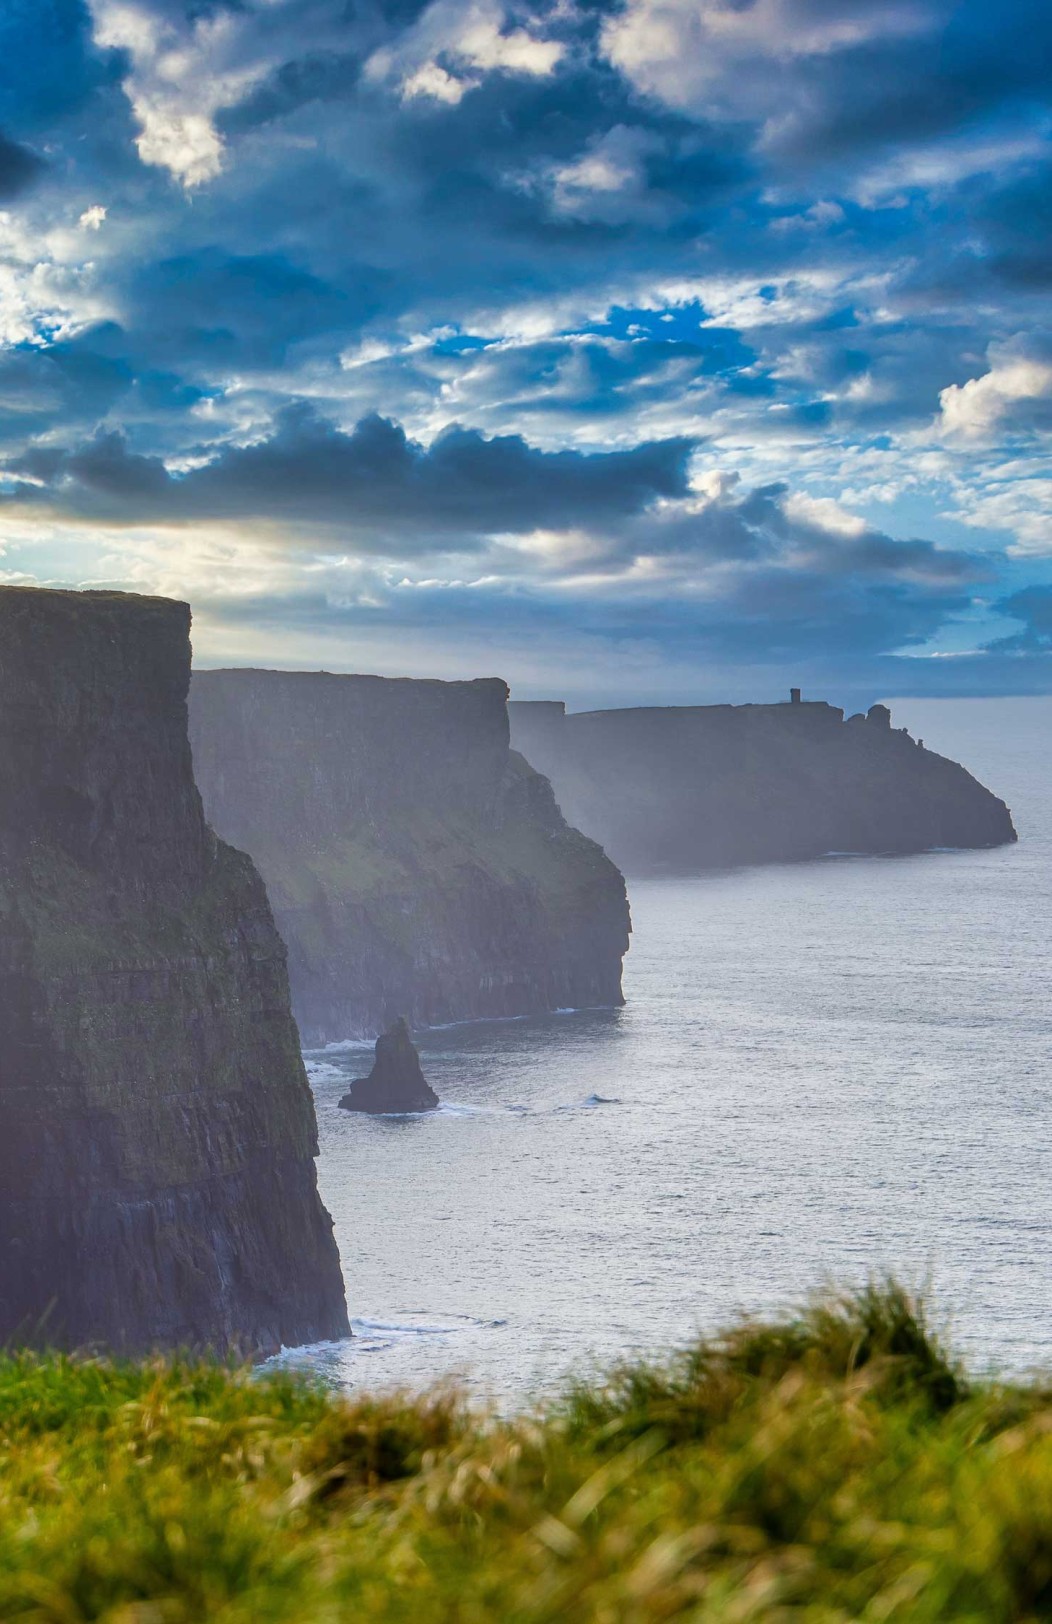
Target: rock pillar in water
point(396, 1085)
point(157, 1132)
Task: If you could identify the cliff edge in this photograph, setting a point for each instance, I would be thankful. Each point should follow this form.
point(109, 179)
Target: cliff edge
point(157, 1134)
point(710, 786)
point(416, 865)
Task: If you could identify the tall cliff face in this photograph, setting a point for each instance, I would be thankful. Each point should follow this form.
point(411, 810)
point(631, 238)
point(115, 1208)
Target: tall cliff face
point(709, 786)
point(415, 864)
point(157, 1132)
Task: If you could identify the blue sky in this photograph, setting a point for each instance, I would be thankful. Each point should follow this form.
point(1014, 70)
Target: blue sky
point(660, 350)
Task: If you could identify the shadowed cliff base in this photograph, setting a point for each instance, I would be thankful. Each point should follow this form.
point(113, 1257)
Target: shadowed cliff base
point(416, 865)
point(713, 786)
point(157, 1135)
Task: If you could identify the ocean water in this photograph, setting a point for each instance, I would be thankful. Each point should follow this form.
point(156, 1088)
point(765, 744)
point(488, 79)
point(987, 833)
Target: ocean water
point(823, 1071)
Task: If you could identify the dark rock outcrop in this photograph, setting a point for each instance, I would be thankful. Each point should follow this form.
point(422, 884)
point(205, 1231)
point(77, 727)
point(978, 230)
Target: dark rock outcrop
point(711, 786)
point(396, 1085)
point(157, 1134)
point(415, 864)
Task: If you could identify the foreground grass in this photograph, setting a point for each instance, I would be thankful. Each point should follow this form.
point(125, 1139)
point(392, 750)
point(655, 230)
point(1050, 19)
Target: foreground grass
point(833, 1467)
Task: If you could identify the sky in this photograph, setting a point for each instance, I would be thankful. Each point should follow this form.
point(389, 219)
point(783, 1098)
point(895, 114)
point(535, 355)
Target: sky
point(656, 351)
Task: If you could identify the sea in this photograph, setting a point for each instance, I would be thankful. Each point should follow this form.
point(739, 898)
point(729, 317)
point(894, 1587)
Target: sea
point(824, 1073)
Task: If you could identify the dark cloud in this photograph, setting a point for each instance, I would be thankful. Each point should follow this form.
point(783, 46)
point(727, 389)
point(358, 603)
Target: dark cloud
point(211, 309)
point(19, 168)
point(319, 76)
point(1032, 606)
point(373, 481)
point(893, 90)
point(786, 553)
point(1015, 223)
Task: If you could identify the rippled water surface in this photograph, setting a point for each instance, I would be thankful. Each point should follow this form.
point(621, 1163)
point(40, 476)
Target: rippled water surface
point(823, 1070)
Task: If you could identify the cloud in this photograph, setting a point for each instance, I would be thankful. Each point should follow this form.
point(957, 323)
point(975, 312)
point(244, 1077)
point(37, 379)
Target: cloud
point(170, 83)
point(372, 483)
point(560, 246)
point(690, 53)
point(452, 45)
point(188, 64)
point(1032, 606)
point(609, 180)
point(1019, 503)
point(19, 168)
point(1014, 396)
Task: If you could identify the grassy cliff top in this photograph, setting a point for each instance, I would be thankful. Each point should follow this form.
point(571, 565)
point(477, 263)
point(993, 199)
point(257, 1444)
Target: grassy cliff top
point(251, 675)
point(831, 1467)
point(71, 599)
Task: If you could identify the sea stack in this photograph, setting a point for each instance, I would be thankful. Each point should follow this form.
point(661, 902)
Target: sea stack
point(710, 786)
point(157, 1133)
point(415, 863)
point(396, 1085)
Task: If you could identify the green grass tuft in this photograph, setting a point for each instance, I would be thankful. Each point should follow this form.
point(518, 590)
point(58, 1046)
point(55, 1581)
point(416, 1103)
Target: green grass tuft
point(830, 1467)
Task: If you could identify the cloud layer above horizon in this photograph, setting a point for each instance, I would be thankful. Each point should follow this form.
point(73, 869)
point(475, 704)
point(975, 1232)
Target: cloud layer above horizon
point(656, 350)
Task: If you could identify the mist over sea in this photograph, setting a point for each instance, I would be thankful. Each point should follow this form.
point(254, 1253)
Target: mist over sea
point(823, 1070)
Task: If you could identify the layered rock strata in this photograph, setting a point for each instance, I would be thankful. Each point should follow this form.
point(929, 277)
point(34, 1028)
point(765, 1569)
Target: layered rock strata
point(396, 1086)
point(416, 865)
point(691, 787)
point(157, 1134)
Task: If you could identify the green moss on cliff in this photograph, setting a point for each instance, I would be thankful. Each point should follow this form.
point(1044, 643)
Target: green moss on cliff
point(423, 865)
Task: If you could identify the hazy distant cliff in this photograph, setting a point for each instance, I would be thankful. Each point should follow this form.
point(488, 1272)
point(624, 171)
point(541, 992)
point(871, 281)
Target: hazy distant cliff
point(416, 865)
point(157, 1133)
point(705, 786)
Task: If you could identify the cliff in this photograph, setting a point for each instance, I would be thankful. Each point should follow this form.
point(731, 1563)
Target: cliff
point(157, 1134)
point(415, 864)
point(710, 786)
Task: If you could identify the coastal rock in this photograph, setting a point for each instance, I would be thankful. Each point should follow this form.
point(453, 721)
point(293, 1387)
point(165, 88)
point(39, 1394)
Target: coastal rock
point(157, 1133)
point(416, 865)
point(396, 1085)
point(710, 786)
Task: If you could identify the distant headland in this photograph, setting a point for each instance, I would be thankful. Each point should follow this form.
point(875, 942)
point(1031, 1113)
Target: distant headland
point(711, 786)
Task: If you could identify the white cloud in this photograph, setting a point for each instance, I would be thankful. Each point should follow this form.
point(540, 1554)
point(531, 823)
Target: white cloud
point(608, 181)
point(824, 513)
point(816, 218)
point(689, 52)
point(941, 165)
point(183, 72)
point(483, 43)
point(471, 39)
point(985, 407)
point(799, 299)
point(431, 80)
point(48, 289)
point(1020, 506)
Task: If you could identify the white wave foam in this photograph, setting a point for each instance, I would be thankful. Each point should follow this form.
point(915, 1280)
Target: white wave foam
point(423, 1325)
point(344, 1046)
point(320, 1071)
point(589, 1103)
